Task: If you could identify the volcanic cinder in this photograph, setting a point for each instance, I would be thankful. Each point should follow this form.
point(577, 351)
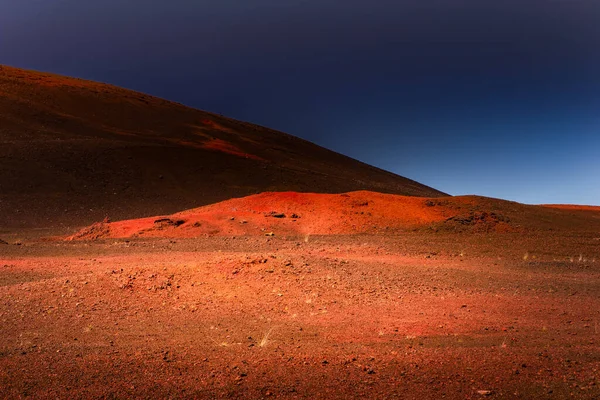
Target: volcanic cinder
point(75, 151)
point(150, 250)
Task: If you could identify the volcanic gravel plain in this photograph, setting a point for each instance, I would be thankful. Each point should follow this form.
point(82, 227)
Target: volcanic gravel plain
point(150, 250)
point(465, 298)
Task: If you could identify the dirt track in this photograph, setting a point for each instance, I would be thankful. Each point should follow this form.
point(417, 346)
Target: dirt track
point(366, 316)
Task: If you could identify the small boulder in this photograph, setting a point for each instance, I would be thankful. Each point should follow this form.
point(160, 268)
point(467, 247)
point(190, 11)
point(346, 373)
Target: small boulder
point(275, 214)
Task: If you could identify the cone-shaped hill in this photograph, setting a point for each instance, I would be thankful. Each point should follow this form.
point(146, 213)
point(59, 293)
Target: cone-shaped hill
point(74, 151)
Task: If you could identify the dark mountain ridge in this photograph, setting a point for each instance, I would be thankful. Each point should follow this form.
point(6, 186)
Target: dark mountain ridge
point(75, 151)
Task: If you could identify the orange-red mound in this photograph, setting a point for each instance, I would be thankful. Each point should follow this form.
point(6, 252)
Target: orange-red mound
point(292, 213)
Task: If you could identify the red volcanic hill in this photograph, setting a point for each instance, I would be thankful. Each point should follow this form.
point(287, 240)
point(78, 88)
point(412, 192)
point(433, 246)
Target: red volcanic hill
point(298, 214)
point(75, 151)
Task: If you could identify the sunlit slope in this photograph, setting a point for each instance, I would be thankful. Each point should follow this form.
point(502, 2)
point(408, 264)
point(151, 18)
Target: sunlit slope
point(302, 214)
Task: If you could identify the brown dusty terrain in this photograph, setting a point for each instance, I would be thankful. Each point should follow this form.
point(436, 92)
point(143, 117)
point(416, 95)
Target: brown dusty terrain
point(73, 152)
point(448, 307)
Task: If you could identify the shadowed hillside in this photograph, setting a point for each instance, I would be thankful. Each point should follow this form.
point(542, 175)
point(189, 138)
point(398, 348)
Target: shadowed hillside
point(74, 151)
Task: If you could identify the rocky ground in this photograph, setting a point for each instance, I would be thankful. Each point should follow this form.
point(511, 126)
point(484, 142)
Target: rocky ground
point(293, 294)
point(409, 315)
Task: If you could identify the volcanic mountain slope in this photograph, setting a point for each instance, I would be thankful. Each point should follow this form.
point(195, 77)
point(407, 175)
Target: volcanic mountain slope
point(304, 214)
point(75, 151)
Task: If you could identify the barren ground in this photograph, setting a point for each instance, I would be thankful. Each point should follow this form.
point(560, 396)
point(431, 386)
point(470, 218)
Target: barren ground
point(274, 295)
point(409, 315)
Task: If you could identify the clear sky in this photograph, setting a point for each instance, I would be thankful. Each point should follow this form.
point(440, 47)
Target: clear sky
point(497, 98)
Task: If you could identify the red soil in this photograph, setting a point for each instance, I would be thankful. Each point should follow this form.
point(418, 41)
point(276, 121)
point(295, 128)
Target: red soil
point(212, 124)
point(229, 148)
point(358, 295)
point(418, 315)
point(301, 214)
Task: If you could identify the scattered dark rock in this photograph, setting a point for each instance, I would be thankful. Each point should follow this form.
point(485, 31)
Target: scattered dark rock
point(3, 242)
point(93, 232)
point(162, 223)
point(477, 217)
point(275, 214)
point(294, 216)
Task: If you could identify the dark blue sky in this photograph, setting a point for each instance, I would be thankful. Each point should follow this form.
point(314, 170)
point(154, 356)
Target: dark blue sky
point(498, 98)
